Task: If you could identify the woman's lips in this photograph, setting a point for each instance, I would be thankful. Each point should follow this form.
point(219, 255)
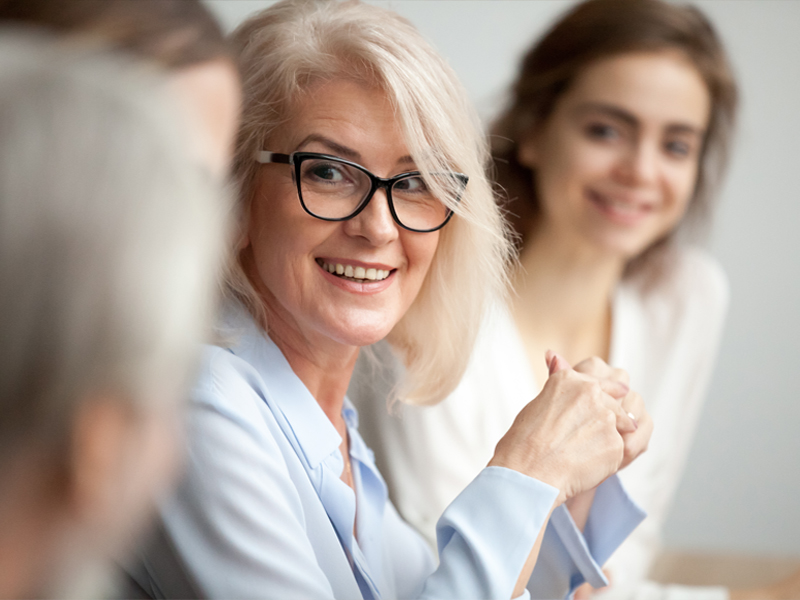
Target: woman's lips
point(354, 270)
point(623, 212)
point(356, 276)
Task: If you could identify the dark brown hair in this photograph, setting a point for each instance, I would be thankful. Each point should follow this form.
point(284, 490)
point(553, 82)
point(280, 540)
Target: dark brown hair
point(173, 33)
point(598, 29)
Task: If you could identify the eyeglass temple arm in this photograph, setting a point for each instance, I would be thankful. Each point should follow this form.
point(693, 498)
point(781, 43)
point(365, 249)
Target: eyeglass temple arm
point(264, 156)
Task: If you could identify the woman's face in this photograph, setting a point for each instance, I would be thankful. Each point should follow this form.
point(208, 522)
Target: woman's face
point(616, 162)
point(286, 251)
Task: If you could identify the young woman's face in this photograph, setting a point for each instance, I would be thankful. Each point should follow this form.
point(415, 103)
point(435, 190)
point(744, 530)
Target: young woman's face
point(616, 162)
point(289, 254)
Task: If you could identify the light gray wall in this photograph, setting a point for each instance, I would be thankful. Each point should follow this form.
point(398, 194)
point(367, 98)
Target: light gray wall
point(741, 491)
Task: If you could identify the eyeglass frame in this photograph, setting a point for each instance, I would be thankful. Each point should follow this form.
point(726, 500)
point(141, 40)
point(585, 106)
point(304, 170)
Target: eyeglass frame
point(296, 159)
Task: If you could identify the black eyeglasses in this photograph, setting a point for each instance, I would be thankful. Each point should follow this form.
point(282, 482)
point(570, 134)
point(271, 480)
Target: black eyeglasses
point(334, 189)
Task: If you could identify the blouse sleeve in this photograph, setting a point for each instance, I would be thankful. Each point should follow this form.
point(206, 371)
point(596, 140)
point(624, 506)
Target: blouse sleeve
point(244, 524)
point(486, 535)
point(569, 558)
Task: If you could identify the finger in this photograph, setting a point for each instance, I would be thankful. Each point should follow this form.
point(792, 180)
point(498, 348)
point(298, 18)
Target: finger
point(596, 367)
point(634, 406)
point(555, 362)
point(615, 389)
point(620, 375)
point(625, 424)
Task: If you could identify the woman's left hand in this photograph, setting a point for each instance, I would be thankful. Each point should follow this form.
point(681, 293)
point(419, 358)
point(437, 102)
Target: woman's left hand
point(635, 442)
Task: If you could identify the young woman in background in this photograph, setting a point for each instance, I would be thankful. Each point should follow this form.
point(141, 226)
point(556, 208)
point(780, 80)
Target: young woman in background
point(607, 159)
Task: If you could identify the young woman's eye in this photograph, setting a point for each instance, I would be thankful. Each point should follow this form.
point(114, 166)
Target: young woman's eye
point(678, 148)
point(601, 131)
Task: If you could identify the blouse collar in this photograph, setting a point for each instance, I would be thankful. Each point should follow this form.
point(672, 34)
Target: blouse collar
point(316, 436)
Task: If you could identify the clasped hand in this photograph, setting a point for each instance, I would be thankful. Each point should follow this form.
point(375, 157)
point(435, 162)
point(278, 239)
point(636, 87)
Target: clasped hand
point(584, 426)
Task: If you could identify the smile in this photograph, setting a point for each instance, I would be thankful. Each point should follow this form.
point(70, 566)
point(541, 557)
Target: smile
point(354, 273)
point(620, 210)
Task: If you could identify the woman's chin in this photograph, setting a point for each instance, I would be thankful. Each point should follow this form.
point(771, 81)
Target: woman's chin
point(622, 246)
point(361, 333)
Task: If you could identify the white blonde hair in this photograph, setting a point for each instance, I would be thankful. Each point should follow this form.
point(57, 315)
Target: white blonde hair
point(295, 44)
point(111, 239)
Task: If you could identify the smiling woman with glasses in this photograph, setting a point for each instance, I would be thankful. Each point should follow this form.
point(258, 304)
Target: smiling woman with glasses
point(365, 215)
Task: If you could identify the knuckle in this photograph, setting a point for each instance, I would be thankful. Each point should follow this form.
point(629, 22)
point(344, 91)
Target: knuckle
point(620, 375)
point(593, 365)
point(596, 361)
point(594, 388)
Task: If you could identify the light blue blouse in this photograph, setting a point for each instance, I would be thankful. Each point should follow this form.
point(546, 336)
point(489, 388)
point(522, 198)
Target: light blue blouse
point(262, 512)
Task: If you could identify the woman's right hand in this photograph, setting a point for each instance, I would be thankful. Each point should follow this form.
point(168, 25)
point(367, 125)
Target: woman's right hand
point(570, 435)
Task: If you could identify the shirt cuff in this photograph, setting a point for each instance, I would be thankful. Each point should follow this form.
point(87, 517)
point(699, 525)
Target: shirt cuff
point(487, 533)
point(612, 518)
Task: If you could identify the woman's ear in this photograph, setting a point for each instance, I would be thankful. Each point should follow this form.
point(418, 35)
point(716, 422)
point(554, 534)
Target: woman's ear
point(528, 149)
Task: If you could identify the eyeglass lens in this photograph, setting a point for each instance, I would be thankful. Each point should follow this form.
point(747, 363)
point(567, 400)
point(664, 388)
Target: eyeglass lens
point(334, 190)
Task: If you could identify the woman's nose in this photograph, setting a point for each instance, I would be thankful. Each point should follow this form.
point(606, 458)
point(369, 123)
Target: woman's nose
point(640, 164)
point(375, 222)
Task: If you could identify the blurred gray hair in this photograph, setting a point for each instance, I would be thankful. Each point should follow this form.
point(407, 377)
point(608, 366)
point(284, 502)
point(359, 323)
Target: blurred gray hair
point(110, 238)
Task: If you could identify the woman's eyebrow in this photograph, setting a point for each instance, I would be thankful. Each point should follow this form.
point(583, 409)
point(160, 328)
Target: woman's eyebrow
point(686, 128)
point(335, 147)
point(343, 151)
point(609, 110)
point(630, 119)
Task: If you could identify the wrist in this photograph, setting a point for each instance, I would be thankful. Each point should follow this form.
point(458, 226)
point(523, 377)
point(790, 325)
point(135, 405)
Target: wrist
point(538, 474)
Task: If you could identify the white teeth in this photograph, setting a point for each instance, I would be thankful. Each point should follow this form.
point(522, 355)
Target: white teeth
point(621, 206)
point(370, 274)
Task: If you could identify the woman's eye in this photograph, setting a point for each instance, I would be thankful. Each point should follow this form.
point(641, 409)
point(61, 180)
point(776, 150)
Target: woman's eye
point(601, 131)
point(678, 148)
point(326, 172)
point(411, 184)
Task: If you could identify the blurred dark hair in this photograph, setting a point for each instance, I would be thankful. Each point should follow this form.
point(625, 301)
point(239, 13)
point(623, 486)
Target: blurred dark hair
point(173, 33)
point(598, 29)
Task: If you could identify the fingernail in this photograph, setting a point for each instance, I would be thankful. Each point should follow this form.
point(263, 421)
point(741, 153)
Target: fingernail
point(626, 387)
point(635, 422)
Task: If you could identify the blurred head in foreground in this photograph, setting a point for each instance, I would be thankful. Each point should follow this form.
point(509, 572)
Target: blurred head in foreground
point(111, 234)
point(179, 36)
